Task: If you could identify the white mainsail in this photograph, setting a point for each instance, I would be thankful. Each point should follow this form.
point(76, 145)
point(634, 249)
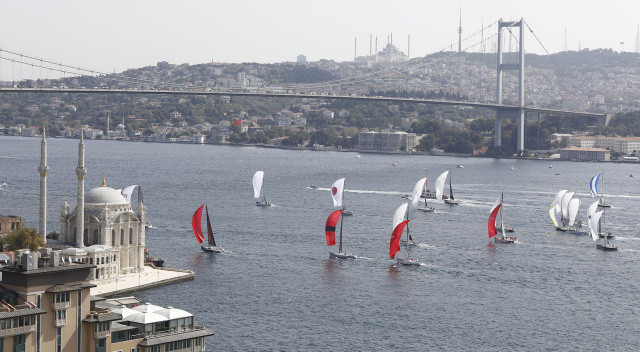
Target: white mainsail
point(574, 206)
point(336, 192)
point(564, 203)
point(592, 208)
point(258, 177)
point(127, 192)
point(417, 192)
point(594, 220)
point(440, 184)
point(558, 198)
point(398, 216)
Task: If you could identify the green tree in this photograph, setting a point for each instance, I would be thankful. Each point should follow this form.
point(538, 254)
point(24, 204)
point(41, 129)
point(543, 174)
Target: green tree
point(25, 237)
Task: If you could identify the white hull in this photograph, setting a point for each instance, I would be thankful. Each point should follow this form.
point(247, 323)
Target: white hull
point(507, 239)
point(212, 249)
point(607, 247)
point(348, 212)
point(408, 262)
point(609, 235)
point(342, 255)
point(427, 210)
point(264, 204)
point(451, 202)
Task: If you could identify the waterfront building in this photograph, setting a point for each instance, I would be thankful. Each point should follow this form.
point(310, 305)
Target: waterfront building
point(9, 223)
point(387, 141)
point(585, 154)
point(45, 306)
point(625, 145)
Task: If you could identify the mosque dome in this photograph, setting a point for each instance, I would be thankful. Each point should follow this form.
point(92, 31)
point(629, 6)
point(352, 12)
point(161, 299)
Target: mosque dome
point(120, 127)
point(105, 195)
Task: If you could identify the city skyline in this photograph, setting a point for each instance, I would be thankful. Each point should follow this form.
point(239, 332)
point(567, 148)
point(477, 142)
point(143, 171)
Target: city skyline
point(140, 34)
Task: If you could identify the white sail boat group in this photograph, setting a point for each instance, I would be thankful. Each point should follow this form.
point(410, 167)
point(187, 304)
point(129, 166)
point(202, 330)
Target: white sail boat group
point(567, 207)
point(439, 194)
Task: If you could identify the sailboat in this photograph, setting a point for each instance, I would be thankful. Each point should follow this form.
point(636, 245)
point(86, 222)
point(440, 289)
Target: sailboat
point(197, 230)
point(499, 237)
point(575, 224)
point(426, 208)
point(564, 211)
point(337, 190)
point(594, 225)
point(400, 221)
point(258, 189)
point(593, 187)
point(556, 208)
point(440, 185)
point(451, 200)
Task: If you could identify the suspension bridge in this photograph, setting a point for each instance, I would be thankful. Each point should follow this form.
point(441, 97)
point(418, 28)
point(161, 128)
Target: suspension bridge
point(518, 112)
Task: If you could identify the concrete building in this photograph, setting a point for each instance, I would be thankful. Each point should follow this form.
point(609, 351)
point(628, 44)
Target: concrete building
point(585, 154)
point(625, 145)
point(45, 306)
point(199, 138)
point(283, 121)
point(387, 141)
point(9, 223)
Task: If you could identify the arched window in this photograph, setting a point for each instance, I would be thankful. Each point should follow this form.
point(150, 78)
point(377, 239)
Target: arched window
point(122, 237)
point(86, 236)
point(96, 239)
point(130, 236)
point(113, 238)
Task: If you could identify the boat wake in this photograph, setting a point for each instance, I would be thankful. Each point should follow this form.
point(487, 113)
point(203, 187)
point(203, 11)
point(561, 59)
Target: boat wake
point(424, 245)
point(362, 191)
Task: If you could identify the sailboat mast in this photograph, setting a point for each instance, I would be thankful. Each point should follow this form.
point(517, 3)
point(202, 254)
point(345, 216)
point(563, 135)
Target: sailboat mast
point(408, 236)
point(501, 207)
point(450, 188)
point(341, 220)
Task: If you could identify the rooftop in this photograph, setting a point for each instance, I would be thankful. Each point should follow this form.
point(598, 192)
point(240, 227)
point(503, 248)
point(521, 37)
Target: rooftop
point(587, 149)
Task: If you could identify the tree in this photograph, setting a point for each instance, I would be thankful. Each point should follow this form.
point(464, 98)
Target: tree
point(25, 237)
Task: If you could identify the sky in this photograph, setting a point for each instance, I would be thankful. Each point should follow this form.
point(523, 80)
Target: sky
point(115, 35)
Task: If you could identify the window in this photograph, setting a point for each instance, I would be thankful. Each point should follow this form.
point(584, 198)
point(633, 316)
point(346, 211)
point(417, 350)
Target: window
point(18, 343)
point(96, 239)
point(122, 237)
point(113, 238)
point(59, 340)
point(130, 236)
point(61, 314)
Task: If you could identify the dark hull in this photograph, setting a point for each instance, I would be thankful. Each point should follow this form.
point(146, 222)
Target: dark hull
point(211, 249)
point(607, 247)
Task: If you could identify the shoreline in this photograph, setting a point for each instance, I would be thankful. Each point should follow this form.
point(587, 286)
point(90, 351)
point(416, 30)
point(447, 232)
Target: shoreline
point(266, 146)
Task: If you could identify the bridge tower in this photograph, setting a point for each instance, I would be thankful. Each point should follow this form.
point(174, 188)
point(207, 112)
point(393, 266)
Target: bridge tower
point(504, 113)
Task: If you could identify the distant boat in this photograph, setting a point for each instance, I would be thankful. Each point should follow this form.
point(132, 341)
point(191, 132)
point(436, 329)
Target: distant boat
point(512, 168)
point(149, 226)
point(593, 187)
point(632, 175)
point(595, 226)
point(337, 190)
point(451, 200)
point(460, 166)
point(426, 208)
point(498, 237)
point(357, 156)
point(197, 230)
point(557, 173)
point(400, 221)
point(156, 261)
point(394, 164)
point(551, 166)
point(313, 187)
point(560, 206)
point(3, 184)
point(258, 189)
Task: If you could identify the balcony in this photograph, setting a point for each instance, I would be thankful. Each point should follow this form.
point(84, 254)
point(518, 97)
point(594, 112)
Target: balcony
point(61, 305)
point(60, 322)
point(18, 330)
point(102, 334)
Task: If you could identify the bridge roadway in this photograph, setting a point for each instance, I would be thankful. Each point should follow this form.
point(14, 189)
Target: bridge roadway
point(249, 93)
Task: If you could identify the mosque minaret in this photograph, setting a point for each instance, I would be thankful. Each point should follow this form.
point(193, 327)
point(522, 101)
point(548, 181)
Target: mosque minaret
point(43, 168)
point(81, 171)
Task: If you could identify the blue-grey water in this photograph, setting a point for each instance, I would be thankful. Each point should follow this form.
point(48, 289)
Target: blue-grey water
point(278, 291)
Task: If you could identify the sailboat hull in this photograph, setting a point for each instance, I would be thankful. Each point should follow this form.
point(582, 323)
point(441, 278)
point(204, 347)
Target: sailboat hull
point(212, 249)
point(342, 255)
point(607, 247)
point(264, 204)
point(348, 212)
point(427, 210)
point(451, 202)
point(578, 232)
point(609, 235)
point(508, 240)
point(408, 262)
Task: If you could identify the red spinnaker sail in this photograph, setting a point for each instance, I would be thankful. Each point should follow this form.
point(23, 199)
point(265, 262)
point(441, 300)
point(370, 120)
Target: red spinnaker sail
point(394, 246)
point(492, 221)
point(330, 227)
point(195, 224)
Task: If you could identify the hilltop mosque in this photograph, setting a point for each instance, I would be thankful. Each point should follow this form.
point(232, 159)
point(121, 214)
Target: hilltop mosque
point(102, 229)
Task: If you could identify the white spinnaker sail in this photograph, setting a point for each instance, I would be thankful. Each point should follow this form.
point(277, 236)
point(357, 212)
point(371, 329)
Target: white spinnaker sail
point(417, 192)
point(440, 184)
point(594, 220)
point(127, 192)
point(574, 206)
point(398, 216)
point(552, 214)
point(336, 192)
point(556, 200)
point(258, 177)
point(565, 204)
point(592, 208)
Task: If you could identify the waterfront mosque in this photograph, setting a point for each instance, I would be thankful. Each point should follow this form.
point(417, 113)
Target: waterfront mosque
point(102, 230)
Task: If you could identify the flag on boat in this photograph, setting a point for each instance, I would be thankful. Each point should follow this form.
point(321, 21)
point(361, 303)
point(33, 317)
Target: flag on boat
point(593, 185)
point(330, 227)
point(417, 191)
point(493, 213)
point(394, 246)
point(127, 192)
point(196, 224)
point(336, 192)
point(237, 122)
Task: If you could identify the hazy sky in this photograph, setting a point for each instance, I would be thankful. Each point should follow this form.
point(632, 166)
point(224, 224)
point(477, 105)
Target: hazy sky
point(116, 35)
